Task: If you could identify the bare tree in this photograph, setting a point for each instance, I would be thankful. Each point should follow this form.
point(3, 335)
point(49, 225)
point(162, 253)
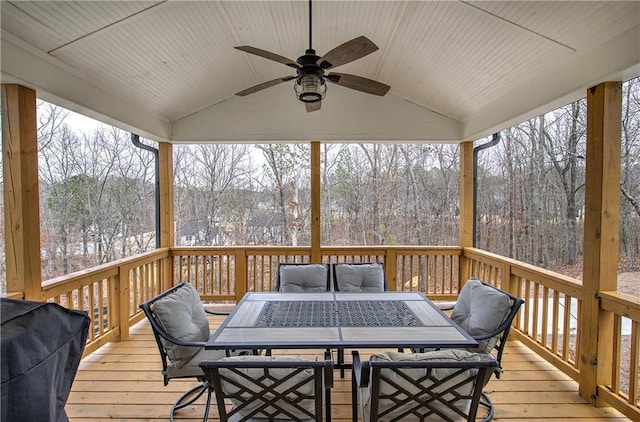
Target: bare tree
point(630, 183)
point(284, 171)
point(563, 140)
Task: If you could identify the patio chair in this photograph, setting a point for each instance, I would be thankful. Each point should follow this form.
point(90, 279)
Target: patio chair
point(441, 385)
point(181, 329)
point(303, 277)
point(359, 277)
point(271, 388)
point(486, 313)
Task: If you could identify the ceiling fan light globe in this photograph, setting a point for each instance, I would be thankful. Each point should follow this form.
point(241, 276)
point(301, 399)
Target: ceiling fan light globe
point(310, 88)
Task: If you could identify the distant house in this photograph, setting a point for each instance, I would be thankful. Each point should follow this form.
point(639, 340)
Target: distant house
point(199, 233)
point(265, 227)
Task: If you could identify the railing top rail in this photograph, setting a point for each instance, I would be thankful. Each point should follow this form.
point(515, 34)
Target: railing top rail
point(99, 272)
point(556, 281)
point(621, 304)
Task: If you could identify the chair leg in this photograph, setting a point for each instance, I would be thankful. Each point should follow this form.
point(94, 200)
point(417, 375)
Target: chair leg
point(486, 402)
point(206, 409)
point(354, 398)
point(189, 397)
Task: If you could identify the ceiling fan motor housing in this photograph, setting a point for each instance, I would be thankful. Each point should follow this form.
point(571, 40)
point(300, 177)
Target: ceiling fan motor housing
point(310, 84)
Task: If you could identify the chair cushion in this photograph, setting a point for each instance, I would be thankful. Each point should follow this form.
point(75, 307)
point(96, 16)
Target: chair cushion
point(277, 373)
point(303, 278)
point(481, 309)
point(389, 387)
point(181, 314)
point(359, 277)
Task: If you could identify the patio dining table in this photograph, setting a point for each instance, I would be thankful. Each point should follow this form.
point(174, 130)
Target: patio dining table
point(276, 320)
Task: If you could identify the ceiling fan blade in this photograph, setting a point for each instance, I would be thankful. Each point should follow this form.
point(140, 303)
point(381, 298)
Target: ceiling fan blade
point(347, 52)
point(264, 85)
point(268, 55)
point(359, 83)
point(313, 106)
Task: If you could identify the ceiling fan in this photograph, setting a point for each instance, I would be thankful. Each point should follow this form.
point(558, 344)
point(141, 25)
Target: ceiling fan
point(310, 81)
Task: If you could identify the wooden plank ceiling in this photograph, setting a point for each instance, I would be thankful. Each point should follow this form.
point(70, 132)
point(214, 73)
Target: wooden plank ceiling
point(457, 69)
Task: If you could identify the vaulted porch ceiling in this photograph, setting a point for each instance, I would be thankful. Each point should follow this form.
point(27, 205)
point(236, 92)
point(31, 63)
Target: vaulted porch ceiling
point(458, 70)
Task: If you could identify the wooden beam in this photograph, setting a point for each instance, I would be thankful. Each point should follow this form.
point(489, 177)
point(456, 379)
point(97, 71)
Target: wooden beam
point(166, 213)
point(466, 206)
point(466, 194)
point(167, 236)
point(601, 231)
point(316, 236)
point(21, 196)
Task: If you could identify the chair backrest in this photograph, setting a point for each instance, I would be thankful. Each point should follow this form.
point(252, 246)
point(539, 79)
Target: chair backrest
point(180, 327)
point(359, 277)
point(486, 313)
point(442, 385)
point(271, 387)
point(303, 277)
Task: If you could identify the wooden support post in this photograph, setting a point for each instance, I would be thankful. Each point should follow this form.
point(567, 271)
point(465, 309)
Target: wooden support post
point(240, 266)
point(601, 231)
point(391, 269)
point(466, 207)
point(316, 236)
point(21, 196)
point(124, 299)
point(167, 234)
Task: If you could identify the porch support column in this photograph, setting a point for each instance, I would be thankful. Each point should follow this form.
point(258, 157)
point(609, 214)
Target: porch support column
point(316, 237)
point(167, 235)
point(601, 231)
point(21, 196)
point(466, 206)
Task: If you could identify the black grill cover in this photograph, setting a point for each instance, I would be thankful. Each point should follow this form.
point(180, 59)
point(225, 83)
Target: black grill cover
point(42, 344)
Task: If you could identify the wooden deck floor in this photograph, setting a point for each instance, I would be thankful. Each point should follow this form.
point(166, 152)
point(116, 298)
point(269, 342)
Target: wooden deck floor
point(121, 381)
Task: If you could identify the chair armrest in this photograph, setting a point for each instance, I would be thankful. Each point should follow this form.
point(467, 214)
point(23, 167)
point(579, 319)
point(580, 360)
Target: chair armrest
point(328, 370)
point(212, 312)
point(361, 378)
point(162, 333)
point(445, 306)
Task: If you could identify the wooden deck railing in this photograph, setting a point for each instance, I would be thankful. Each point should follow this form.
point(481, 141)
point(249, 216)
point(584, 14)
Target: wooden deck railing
point(111, 294)
point(217, 274)
point(549, 322)
point(623, 392)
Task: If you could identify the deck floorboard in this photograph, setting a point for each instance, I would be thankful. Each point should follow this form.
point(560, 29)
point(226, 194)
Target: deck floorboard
point(122, 381)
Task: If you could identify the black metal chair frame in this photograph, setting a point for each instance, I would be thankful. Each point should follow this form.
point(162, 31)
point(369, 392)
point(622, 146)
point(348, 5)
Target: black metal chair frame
point(427, 400)
point(503, 332)
point(158, 332)
point(262, 392)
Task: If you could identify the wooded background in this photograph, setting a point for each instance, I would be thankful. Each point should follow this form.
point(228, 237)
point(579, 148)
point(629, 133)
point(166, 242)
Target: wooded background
point(97, 192)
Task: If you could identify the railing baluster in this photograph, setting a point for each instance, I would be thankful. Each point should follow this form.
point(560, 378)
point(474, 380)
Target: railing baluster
point(545, 316)
point(566, 336)
point(554, 322)
point(634, 364)
point(616, 343)
point(92, 311)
